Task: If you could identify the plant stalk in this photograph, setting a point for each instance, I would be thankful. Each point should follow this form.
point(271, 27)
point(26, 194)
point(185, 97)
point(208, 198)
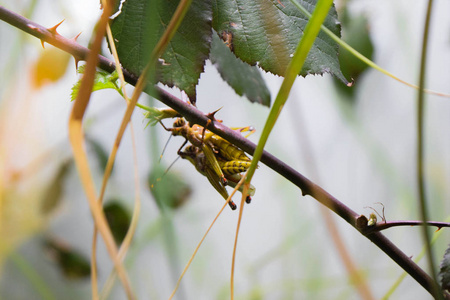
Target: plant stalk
point(421, 154)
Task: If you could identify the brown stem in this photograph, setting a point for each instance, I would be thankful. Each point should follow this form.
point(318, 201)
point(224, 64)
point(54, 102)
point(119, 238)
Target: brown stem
point(195, 116)
point(385, 225)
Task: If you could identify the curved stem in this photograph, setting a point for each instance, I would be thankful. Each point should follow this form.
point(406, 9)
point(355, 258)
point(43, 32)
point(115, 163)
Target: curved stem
point(420, 153)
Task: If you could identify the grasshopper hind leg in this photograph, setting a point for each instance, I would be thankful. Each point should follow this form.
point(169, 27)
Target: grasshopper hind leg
point(234, 179)
point(232, 205)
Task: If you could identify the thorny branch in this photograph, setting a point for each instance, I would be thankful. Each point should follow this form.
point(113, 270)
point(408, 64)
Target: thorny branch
point(385, 225)
point(195, 116)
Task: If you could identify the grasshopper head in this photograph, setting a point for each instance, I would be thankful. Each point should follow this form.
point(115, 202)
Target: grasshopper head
point(191, 150)
point(179, 122)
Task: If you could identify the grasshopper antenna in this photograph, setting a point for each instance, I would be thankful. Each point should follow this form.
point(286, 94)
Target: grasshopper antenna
point(164, 149)
point(168, 168)
point(165, 172)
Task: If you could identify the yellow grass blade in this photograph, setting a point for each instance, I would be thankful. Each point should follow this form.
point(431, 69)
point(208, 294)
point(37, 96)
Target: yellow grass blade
point(204, 236)
point(76, 137)
point(241, 211)
point(132, 229)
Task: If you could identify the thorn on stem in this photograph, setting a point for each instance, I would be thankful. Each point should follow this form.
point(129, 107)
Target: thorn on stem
point(212, 117)
point(53, 29)
point(76, 37)
point(76, 63)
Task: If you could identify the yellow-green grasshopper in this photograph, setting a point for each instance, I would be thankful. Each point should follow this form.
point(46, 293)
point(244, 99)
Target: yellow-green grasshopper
point(197, 135)
point(232, 170)
point(209, 143)
point(220, 161)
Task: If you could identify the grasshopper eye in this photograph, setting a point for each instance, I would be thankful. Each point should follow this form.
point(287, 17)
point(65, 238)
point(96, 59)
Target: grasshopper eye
point(180, 122)
point(191, 149)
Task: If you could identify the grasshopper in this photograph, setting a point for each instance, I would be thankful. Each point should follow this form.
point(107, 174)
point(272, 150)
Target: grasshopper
point(214, 157)
point(209, 143)
point(232, 171)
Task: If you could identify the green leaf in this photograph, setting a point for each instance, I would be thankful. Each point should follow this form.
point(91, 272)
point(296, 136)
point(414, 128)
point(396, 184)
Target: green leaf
point(103, 80)
point(444, 272)
point(141, 23)
point(267, 33)
point(72, 263)
point(168, 188)
point(243, 78)
point(355, 32)
point(54, 192)
point(99, 152)
point(118, 218)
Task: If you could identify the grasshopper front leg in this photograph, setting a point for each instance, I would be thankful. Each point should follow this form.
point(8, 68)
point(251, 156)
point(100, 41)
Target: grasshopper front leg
point(213, 164)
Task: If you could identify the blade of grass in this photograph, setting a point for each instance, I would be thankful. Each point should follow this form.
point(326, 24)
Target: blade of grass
point(108, 168)
point(204, 236)
point(137, 202)
point(147, 73)
point(76, 137)
point(34, 277)
point(294, 67)
point(421, 155)
point(238, 226)
point(134, 220)
point(311, 31)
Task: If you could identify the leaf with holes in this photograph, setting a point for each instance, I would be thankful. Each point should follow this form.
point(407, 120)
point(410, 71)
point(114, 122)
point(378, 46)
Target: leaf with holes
point(140, 25)
point(267, 33)
point(243, 78)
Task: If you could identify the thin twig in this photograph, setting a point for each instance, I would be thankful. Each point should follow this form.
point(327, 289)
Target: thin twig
point(195, 116)
point(385, 225)
point(204, 236)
